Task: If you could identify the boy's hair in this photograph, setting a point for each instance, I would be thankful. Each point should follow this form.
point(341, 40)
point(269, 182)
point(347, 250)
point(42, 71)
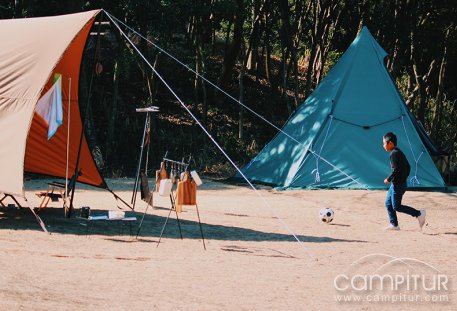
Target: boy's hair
point(390, 137)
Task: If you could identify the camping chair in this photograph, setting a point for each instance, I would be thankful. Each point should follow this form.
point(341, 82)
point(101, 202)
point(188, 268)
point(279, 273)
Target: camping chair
point(51, 193)
point(6, 195)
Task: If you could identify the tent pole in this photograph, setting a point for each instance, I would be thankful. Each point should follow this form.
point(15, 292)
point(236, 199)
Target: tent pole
point(40, 222)
point(137, 176)
point(146, 140)
point(86, 116)
point(65, 200)
point(119, 198)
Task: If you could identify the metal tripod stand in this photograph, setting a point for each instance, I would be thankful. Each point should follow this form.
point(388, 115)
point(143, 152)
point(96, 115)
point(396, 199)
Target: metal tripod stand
point(147, 125)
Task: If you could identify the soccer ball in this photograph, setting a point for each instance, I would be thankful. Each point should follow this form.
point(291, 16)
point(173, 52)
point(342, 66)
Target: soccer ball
point(326, 215)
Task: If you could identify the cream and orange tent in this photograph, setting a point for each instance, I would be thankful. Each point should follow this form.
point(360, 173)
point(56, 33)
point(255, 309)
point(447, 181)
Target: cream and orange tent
point(32, 51)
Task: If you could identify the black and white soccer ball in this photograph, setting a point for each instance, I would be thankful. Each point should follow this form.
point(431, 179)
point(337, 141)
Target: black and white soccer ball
point(326, 215)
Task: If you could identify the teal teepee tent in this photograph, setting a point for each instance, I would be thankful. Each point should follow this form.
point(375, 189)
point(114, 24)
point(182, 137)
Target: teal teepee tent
point(334, 139)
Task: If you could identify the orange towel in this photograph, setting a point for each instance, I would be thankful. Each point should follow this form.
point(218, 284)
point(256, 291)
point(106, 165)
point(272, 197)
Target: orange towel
point(186, 193)
point(160, 174)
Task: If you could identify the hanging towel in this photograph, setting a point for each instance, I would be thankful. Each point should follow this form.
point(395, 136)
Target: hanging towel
point(186, 193)
point(165, 187)
point(49, 106)
point(145, 192)
point(196, 178)
point(160, 174)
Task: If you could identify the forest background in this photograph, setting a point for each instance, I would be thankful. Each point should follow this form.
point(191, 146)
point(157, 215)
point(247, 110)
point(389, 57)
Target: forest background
point(269, 55)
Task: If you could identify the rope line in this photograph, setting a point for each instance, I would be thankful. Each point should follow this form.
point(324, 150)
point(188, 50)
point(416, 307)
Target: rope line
point(317, 178)
point(231, 97)
point(215, 142)
point(414, 179)
point(366, 126)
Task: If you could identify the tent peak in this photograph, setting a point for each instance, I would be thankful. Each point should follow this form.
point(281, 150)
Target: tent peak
point(365, 41)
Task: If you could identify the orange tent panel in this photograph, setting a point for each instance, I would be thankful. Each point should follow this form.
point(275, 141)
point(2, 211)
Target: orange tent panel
point(49, 157)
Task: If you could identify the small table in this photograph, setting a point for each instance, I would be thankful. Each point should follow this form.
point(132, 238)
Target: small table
point(120, 220)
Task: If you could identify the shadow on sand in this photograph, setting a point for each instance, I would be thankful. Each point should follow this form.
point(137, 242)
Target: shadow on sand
point(56, 223)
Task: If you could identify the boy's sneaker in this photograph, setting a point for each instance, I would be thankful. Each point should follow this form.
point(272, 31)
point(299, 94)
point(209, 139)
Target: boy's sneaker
point(421, 218)
point(392, 227)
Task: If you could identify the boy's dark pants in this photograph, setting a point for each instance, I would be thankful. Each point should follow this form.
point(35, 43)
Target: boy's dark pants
point(393, 203)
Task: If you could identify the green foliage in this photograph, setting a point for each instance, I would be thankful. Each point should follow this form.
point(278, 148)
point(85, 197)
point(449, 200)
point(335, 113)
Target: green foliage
point(332, 59)
point(402, 84)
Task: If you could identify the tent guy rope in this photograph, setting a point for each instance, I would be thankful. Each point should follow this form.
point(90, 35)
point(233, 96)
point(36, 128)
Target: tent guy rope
point(233, 98)
point(318, 177)
point(414, 179)
point(215, 142)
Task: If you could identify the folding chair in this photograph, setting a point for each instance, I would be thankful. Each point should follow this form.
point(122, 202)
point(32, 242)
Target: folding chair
point(5, 195)
point(51, 193)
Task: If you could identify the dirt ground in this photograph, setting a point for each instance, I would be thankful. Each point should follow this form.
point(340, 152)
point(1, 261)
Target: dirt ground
point(252, 260)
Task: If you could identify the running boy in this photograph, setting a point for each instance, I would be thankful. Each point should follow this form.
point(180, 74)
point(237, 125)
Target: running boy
point(399, 173)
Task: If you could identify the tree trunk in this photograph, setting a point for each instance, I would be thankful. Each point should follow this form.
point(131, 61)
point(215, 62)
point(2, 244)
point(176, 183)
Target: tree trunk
point(268, 51)
point(153, 81)
point(110, 136)
point(200, 69)
point(17, 8)
point(436, 122)
point(421, 92)
point(287, 48)
point(227, 36)
point(190, 30)
point(241, 97)
point(198, 62)
point(363, 11)
point(423, 89)
point(234, 48)
point(312, 57)
point(283, 71)
point(205, 96)
point(298, 30)
point(254, 38)
point(296, 90)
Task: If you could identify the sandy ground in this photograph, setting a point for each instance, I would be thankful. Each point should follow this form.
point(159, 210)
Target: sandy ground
point(251, 261)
